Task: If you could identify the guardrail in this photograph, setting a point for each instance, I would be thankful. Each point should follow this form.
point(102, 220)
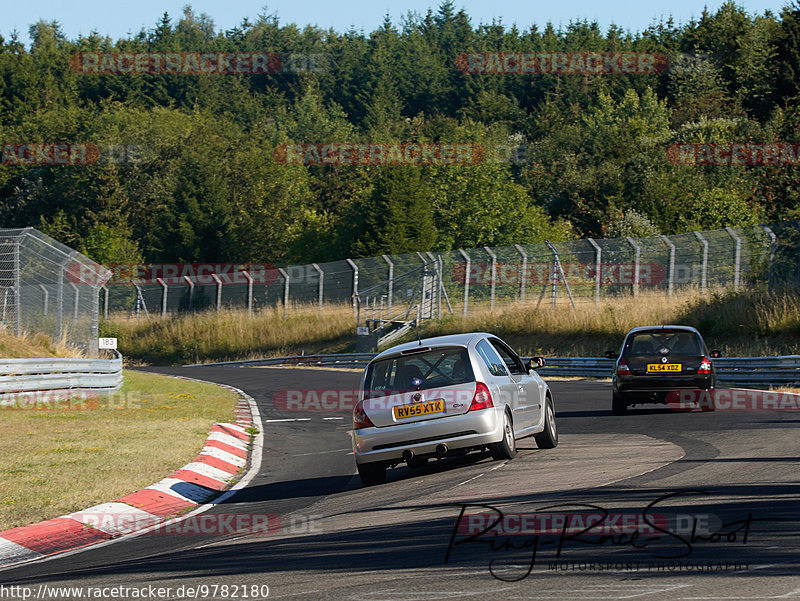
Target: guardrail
point(730, 370)
point(333, 360)
point(26, 375)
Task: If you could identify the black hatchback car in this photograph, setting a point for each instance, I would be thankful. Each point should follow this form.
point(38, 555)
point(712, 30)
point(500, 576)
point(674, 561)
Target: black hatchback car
point(655, 360)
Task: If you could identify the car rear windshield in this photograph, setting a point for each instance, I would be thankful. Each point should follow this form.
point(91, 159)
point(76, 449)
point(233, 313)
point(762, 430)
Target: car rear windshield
point(663, 343)
point(419, 371)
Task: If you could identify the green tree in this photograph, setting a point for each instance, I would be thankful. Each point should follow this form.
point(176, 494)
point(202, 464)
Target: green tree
point(715, 208)
point(398, 217)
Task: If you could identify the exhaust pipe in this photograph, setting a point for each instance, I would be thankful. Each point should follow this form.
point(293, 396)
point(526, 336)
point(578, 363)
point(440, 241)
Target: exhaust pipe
point(441, 449)
point(408, 455)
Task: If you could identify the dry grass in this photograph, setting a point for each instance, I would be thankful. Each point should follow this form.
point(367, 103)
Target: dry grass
point(206, 336)
point(59, 461)
point(34, 346)
point(744, 324)
point(588, 330)
point(749, 323)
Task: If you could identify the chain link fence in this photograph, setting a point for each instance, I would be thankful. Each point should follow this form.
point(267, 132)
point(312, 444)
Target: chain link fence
point(46, 287)
point(571, 272)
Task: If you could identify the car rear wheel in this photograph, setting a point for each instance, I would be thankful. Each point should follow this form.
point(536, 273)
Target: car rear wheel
point(507, 447)
point(618, 405)
point(548, 438)
point(372, 473)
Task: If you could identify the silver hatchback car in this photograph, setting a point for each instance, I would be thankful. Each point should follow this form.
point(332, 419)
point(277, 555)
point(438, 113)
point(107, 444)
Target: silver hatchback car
point(447, 396)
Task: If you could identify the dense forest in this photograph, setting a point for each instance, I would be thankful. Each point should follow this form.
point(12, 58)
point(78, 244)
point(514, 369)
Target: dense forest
point(192, 166)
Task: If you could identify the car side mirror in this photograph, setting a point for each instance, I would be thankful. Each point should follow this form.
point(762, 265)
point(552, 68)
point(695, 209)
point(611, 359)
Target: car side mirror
point(535, 363)
point(716, 354)
point(610, 355)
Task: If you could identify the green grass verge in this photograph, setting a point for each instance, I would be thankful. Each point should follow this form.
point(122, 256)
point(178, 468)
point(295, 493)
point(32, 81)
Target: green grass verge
point(56, 461)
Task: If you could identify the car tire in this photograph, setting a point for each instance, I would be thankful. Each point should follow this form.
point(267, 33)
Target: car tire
point(618, 405)
point(372, 473)
point(548, 438)
point(417, 463)
point(507, 447)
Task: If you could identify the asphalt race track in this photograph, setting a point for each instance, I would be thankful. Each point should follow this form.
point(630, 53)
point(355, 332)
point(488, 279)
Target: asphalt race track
point(715, 496)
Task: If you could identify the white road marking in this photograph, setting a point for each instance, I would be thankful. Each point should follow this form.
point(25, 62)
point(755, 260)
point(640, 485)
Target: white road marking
point(322, 452)
point(609, 591)
point(497, 467)
point(291, 594)
point(289, 419)
point(401, 595)
point(790, 595)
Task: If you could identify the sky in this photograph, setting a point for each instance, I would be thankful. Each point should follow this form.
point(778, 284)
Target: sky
point(120, 19)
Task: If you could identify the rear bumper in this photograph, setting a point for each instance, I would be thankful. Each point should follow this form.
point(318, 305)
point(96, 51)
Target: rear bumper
point(472, 429)
point(646, 389)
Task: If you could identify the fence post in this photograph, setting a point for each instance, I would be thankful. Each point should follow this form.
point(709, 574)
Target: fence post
point(442, 289)
point(437, 270)
point(559, 269)
point(354, 267)
point(598, 266)
point(17, 307)
point(523, 272)
point(671, 280)
point(704, 273)
point(772, 239)
point(737, 257)
point(637, 258)
point(93, 341)
point(75, 304)
point(164, 291)
point(191, 291)
point(105, 301)
point(140, 304)
point(319, 286)
point(60, 299)
point(247, 275)
point(46, 295)
point(391, 284)
point(467, 267)
point(285, 276)
point(219, 291)
point(494, 274)
point(796, 226)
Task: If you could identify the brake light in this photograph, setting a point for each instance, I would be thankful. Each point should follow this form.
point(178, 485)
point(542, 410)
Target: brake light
point(622, 368)
point(482, 398)
point(360, 418)
point(705, 366)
